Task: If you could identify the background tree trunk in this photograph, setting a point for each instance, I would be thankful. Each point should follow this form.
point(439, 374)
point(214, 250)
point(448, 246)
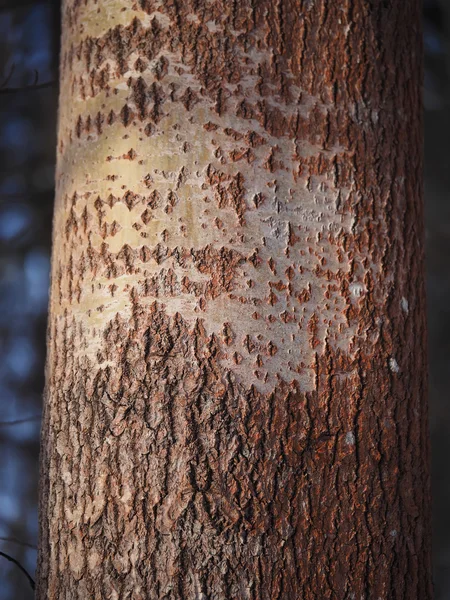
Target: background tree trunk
point(235, 401)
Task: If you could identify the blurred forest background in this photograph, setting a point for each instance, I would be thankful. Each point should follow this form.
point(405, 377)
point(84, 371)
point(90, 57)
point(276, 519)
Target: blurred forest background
point(29, 40)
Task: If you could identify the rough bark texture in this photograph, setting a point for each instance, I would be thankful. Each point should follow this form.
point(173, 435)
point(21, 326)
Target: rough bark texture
point(235, 401)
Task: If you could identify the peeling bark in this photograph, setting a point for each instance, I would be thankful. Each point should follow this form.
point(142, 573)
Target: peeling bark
point(235, 402)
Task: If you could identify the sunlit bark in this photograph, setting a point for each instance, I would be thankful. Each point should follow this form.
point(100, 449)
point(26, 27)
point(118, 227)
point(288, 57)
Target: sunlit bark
point(235, 403)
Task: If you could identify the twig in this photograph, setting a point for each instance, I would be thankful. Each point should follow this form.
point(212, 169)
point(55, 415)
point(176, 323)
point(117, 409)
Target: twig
point(8, 77)
point(17, 563)
point(14, 90)
point(19, 421)
point(14, 540)
point(13, 5)
point(34, 86)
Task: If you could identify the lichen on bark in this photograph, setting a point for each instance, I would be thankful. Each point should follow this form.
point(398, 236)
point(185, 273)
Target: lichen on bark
point(238, 226)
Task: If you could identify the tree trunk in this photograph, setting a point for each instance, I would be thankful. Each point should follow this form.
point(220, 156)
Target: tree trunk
point(236, 382)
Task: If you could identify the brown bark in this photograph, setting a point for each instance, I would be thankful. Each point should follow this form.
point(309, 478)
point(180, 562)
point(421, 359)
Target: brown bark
point(235, 402)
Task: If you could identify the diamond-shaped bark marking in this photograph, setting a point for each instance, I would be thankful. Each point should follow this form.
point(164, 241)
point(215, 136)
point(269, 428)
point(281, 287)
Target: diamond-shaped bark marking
point(147, 216)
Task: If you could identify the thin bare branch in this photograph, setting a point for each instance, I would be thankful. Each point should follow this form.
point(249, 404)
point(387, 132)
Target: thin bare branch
point(17, 563)
point(20, 421)
point(8, 77)
point(13, 540)
point(32, 86)
point(18, 4)
point(29, 88)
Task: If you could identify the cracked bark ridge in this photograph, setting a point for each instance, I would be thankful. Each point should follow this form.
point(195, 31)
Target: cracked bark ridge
point(235, 403)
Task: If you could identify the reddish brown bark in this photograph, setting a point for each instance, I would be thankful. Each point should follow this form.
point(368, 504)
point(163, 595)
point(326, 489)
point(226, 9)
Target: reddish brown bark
point(236, 381)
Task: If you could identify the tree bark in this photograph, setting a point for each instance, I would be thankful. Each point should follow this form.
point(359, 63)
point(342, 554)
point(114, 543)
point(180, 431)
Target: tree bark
point(236, 384)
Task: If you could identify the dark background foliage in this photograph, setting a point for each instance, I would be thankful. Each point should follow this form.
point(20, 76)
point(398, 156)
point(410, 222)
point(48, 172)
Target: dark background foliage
point(29, 39)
